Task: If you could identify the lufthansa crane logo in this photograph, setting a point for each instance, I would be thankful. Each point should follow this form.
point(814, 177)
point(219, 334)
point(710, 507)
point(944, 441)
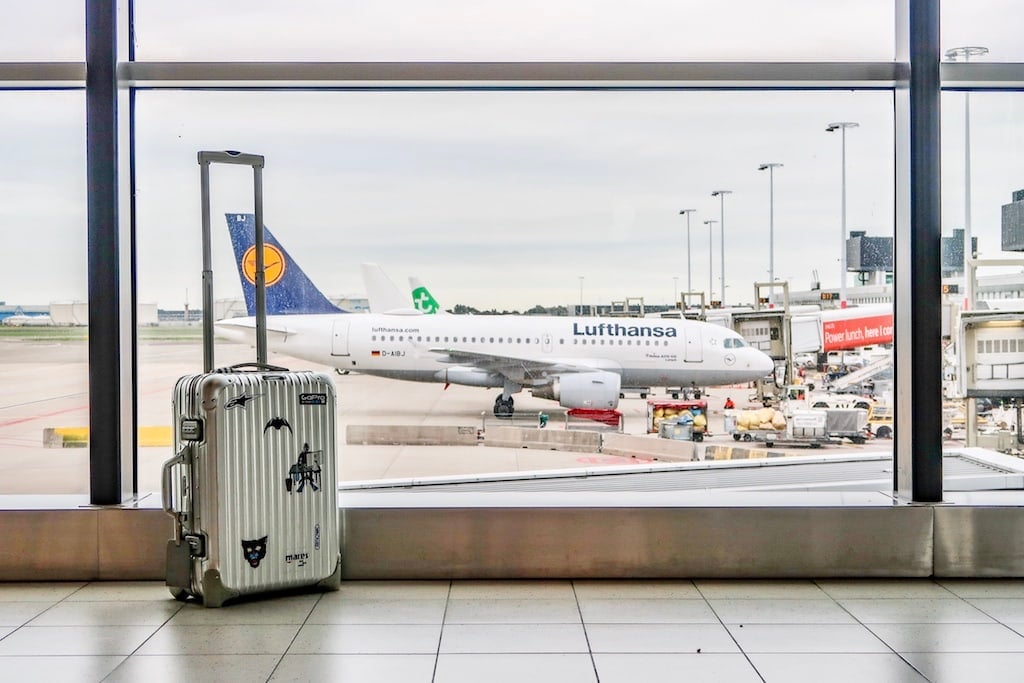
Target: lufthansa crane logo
point(273, 264)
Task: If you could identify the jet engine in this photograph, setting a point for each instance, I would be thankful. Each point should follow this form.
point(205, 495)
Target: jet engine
point(583, 390)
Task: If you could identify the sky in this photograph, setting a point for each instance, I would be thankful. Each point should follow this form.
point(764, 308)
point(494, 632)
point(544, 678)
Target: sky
point(495, 198)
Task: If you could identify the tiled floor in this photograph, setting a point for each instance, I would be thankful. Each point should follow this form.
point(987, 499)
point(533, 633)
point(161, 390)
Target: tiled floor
point(533, 631)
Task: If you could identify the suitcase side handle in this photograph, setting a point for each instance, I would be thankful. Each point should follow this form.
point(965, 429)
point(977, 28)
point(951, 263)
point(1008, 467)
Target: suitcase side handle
point(252, 367)
point(165, 489)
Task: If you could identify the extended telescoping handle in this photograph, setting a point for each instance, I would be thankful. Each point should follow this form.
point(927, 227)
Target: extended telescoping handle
point(256, 161)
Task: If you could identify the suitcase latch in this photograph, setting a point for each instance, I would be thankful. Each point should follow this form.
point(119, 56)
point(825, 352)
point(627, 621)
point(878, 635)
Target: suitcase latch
point(196, 545)
point(191, 429)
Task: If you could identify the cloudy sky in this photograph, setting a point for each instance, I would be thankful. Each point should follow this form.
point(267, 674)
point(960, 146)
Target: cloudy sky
point(498, 198)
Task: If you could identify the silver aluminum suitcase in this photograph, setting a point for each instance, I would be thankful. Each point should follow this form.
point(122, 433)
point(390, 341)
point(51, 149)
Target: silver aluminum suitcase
point(253, 483)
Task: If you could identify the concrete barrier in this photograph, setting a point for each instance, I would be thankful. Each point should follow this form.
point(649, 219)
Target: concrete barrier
point(650, 447)
point(411, 435)
point(548, 439)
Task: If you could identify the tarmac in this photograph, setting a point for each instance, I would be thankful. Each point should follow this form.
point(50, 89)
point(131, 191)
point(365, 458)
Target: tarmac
point(45, 386)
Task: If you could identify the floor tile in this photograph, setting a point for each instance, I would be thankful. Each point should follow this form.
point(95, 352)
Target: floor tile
point(984, 588)
point(806, 638)
point(360, 668)
point(122, 590)
point(342, 639)
point(194, 668)
point(612, 589)
point(510, 638)
point(37, 592)
point(512, 590)
point(673, 668)
point(378, 611)
point(883, 588)
point(203, 639)
point(768, 588)
point(392, 590)
point(1000, 609)
point(834, 668)
point(293, 609)
point(944, 637)
point(135, 613)
point(646, 611)
point(18, 613)
point(968, 667)
point(679, 638)
point(512, 612)
point(914, 611)
point(75, 640)
point(65, 669)
point(512, 668)
point(762, 611)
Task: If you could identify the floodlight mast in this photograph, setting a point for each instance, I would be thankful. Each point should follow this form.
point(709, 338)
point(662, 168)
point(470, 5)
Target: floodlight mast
point(832, 127)
point(770, 167)
point(721, 226)
point(689, 261)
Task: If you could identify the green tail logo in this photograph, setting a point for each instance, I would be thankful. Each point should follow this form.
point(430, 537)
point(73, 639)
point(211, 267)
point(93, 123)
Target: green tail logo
point(423, 301)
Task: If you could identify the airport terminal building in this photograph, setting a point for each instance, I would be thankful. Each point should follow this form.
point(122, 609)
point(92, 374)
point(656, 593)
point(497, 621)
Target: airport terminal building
point(409, 133)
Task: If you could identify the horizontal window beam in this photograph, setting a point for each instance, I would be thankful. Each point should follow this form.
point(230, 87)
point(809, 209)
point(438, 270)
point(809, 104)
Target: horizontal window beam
point(515, 75)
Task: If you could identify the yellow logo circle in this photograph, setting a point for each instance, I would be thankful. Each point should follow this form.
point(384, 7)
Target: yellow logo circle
point(273, 264)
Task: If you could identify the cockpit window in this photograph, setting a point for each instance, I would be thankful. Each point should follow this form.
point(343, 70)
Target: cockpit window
point(734, 343)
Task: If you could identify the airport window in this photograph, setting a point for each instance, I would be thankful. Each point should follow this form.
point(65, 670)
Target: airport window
point(176, 32)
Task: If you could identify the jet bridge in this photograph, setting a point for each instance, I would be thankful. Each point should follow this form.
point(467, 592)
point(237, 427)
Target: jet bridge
point(769, 328)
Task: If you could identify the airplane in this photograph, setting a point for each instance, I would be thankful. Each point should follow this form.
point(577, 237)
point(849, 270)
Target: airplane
point(581, 362)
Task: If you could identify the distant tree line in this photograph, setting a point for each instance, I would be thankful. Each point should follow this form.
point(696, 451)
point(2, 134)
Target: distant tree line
point(461, 309)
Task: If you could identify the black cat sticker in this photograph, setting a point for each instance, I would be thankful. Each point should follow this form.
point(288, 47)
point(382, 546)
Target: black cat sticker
point(254, 551)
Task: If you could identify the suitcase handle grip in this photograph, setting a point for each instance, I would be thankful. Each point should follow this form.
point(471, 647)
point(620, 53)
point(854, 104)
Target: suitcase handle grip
point(252, 367)
point(165, 489)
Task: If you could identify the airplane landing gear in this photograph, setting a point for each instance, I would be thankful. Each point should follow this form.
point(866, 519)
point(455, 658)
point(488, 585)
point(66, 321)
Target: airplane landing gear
point(503, 407)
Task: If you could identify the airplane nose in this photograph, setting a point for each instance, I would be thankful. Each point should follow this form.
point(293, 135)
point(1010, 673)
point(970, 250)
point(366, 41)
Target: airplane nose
point(762, 362)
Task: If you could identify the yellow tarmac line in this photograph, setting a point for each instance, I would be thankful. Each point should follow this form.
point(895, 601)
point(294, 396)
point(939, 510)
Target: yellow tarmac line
point(79, 436)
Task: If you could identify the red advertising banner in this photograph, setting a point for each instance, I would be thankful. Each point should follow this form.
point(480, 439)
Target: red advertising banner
point(850, 333)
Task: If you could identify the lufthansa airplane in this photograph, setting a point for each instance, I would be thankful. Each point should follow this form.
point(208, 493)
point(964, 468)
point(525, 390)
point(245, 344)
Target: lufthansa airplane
point(579, 362)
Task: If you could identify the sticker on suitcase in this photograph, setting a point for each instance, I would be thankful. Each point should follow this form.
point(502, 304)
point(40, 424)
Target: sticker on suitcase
point(278, 423)
point(312, 399)
point(254, 551)
point(306, 470)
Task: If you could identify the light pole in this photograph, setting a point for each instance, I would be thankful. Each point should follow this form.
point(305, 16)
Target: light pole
point(832, 127)
point(711, 248)
point(952, 55)
point(675, 290)
point(689, 261)
point(770, 167)
point(721, 215)
point(581, 294)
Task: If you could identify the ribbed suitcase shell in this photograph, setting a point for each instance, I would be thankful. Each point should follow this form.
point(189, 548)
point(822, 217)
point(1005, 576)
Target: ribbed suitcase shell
point(265, 468)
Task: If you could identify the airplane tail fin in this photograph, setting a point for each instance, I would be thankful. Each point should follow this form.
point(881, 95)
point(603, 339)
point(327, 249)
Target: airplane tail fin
point(383, 293)
point(289, 290)
point(422, 299)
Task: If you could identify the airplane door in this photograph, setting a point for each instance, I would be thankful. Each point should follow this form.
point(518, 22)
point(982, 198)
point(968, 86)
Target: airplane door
point(693, 345)
point(546, 343)
point(339, 338)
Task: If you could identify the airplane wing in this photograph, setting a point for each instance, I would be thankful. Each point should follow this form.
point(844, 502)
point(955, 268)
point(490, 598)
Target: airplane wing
point(527, 371)
point(274, 327)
